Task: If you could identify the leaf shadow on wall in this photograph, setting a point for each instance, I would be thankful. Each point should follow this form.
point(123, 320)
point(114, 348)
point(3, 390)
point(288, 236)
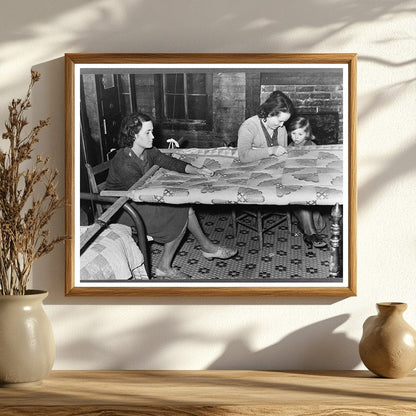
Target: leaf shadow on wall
point(153, 343)
point(402, 163)
point(316, 346)
point(392, 170)
point(107, 26)
point(147, 344)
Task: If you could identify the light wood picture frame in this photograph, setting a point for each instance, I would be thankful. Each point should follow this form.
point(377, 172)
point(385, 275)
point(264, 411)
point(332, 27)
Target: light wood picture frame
point(322, 86)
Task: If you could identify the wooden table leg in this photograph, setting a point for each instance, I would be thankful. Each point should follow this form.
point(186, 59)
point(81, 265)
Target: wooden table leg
point(334, 242)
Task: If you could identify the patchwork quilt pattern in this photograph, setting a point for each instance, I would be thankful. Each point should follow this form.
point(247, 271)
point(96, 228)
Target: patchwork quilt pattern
point(304, 176)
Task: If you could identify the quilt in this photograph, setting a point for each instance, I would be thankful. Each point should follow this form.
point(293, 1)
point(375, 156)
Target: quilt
point(310, 175)
point(113, 255)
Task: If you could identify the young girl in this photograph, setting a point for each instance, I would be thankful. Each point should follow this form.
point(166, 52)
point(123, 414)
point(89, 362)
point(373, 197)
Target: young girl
point(300, 132)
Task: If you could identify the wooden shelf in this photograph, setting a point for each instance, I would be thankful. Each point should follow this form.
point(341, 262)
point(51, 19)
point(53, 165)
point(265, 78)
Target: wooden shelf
point(253, 393)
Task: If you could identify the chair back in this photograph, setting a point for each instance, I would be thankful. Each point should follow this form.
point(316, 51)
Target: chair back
point(96, 182)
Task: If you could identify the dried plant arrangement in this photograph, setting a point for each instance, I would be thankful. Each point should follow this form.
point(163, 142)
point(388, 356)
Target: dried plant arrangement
point(28, 199)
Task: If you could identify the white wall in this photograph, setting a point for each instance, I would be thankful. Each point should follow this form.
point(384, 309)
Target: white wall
point(201, 333)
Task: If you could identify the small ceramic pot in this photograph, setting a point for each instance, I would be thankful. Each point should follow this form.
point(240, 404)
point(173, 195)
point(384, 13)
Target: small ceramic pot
point(27, 346)
point(388, 345)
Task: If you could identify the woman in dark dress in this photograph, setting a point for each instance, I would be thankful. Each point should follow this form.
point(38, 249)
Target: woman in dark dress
point(165, 224)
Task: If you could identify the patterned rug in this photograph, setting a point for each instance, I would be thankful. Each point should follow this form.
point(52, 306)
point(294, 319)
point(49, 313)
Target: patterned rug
point(284, 257)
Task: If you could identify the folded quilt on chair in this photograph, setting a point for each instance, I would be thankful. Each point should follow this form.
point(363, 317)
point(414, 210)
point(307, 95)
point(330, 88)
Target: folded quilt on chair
point(113, 255)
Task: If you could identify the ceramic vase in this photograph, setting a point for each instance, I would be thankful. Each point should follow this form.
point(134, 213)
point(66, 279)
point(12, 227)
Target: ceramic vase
point(388, 345)
point(27, 346)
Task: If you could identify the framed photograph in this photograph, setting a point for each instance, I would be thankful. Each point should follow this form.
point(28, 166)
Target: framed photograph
point(211, 174)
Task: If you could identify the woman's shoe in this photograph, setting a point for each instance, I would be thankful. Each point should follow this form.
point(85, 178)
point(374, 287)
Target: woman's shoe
point(172, 274)
point(315, 240)
point(221, 253)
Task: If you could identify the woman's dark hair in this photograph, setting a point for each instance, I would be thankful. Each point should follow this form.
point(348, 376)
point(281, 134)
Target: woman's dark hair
point(276, 103)
point(130, 126)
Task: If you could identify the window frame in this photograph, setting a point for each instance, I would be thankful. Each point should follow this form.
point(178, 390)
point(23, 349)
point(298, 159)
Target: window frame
point(185, 124)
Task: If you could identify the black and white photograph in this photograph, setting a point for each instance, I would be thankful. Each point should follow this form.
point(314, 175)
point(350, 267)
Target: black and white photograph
point(201, 174)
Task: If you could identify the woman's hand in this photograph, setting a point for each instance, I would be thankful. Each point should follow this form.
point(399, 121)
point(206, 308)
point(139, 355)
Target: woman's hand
point(277, 150)
point(199, 171)
point(205, 172)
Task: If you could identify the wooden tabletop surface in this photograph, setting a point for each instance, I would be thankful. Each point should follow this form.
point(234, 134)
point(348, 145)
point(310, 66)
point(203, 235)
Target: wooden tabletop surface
point(213, 392)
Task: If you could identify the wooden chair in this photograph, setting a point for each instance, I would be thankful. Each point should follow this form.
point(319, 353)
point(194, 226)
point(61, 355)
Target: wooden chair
point(96, 180)
point(96, 187)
